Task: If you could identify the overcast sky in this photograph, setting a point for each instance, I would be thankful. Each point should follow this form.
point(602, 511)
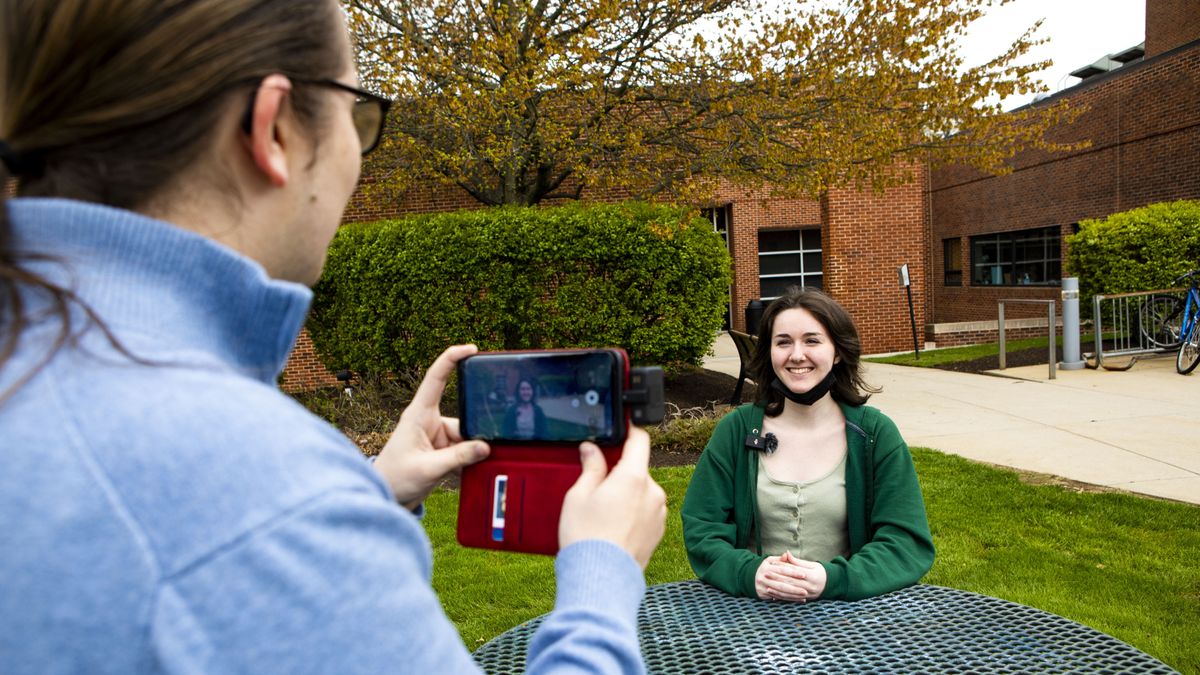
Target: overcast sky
point(1080, 32)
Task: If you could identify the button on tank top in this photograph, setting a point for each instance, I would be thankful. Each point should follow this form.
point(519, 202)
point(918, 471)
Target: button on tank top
point(807, 518)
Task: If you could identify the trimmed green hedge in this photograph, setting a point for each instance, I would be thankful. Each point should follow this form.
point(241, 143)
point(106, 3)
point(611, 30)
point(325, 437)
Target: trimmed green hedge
point(652, 279)
point(1139, 250)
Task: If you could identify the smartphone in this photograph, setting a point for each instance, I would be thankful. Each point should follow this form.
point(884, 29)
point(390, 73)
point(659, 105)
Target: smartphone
point(543, 398)
point(534, 409)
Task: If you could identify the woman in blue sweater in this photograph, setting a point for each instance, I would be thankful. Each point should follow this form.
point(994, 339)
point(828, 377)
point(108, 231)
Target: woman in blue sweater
point(181, 166)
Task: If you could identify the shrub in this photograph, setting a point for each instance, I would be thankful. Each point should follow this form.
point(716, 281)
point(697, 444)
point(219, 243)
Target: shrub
point(1138, 250)
point(684, 434)
point(652, 279)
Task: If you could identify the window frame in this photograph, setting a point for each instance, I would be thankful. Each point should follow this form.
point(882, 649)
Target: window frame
point(804, 276)
point(1010, 252)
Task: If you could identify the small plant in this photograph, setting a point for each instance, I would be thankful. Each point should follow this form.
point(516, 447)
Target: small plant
point(685, 431)
point(366, 410)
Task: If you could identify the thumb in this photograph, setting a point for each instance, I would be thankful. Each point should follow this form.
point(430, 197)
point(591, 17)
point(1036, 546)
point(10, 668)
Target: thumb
point(453, 457)
point(594, 467)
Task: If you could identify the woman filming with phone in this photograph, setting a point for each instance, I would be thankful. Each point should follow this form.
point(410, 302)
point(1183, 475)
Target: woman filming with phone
point(807, 493)
point(180, 168)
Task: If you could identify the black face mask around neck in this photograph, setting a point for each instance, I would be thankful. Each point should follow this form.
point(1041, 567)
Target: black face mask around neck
point(809, 397)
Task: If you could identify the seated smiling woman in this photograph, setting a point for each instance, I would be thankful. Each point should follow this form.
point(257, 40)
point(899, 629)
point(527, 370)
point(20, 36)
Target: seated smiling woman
point(807, 493)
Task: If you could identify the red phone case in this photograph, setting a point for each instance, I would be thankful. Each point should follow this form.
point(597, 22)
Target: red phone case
point(538, 477)
point(538, 480)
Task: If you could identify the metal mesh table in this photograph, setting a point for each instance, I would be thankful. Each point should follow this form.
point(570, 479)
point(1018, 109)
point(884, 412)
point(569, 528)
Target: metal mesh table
point(690, 627)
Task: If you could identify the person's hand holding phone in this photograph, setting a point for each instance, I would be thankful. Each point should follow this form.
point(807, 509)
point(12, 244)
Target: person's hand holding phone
point(624, 506)
point(425, 447)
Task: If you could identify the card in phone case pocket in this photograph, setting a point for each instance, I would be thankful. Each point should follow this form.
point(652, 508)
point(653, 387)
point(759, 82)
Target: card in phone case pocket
point(512, 501)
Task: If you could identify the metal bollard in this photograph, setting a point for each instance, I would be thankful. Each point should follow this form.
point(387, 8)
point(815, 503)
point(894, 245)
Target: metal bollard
point(1070, 304)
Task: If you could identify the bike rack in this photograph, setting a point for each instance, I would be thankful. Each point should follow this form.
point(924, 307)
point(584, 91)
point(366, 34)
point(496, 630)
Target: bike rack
point(1050, 326)
point(1118, 316)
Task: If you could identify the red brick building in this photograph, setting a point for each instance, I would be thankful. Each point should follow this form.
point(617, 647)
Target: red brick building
point(849, 243)
point(969, 239)
point(998, 237)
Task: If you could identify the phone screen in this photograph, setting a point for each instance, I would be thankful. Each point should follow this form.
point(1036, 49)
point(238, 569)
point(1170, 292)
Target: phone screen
point(562, 397)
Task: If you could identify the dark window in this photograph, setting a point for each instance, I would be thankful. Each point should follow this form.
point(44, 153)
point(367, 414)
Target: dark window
point(788, 258)
point(1022, 258)
point(952, 261)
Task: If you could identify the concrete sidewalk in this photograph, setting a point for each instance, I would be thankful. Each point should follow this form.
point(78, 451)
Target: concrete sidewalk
point(1136, 430)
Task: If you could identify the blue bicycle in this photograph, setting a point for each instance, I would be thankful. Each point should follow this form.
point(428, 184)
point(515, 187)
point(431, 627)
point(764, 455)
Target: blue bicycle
point(1171, 322)
point(1174, 323)
point(1189, 333)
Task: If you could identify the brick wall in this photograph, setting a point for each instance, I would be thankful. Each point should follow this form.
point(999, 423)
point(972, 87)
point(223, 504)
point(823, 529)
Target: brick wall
point(866, 237)
point(1143, 122)
point(304, 370)
point(961, 338)
point(371, 203)
point(1170, 23)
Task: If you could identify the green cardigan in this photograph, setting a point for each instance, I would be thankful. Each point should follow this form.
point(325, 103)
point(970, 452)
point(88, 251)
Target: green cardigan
point(890, 543)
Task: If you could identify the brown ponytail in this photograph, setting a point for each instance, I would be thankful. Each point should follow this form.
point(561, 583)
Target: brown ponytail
point(13, 278)
point(107, 101)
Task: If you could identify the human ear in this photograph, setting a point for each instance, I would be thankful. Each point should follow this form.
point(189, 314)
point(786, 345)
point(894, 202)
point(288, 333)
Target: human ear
point(266, 142)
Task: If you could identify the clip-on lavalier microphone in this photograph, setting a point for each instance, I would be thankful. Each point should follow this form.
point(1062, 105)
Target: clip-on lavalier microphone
point(768, 443)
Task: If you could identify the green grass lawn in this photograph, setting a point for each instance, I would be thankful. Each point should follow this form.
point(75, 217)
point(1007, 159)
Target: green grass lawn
point(936, 357)
point(1125, 565)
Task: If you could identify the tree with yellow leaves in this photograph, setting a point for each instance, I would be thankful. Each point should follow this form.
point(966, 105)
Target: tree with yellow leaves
point(518, 101)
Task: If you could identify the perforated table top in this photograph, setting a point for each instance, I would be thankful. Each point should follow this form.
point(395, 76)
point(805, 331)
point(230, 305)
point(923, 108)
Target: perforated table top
point(690, 627)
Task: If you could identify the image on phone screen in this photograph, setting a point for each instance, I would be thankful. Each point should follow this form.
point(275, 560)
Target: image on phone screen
point(548, 397)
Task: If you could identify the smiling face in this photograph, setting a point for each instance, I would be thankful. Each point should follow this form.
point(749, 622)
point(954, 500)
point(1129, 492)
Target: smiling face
point(802, 353)
point(525, 392)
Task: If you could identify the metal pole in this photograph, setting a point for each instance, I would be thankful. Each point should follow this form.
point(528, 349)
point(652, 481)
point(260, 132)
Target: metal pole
point(1070, 335)
point(1096, 320)
point(1001, 325)
point(1052, 335)
point(912, 319)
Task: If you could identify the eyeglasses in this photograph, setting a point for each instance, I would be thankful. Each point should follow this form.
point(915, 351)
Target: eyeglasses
point(369, 112)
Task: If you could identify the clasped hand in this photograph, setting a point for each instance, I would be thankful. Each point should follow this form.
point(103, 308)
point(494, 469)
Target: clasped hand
point(624, 506)
point(786, 577)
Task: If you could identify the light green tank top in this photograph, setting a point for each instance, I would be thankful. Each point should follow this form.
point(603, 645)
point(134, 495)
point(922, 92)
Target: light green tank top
point(807, 518)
